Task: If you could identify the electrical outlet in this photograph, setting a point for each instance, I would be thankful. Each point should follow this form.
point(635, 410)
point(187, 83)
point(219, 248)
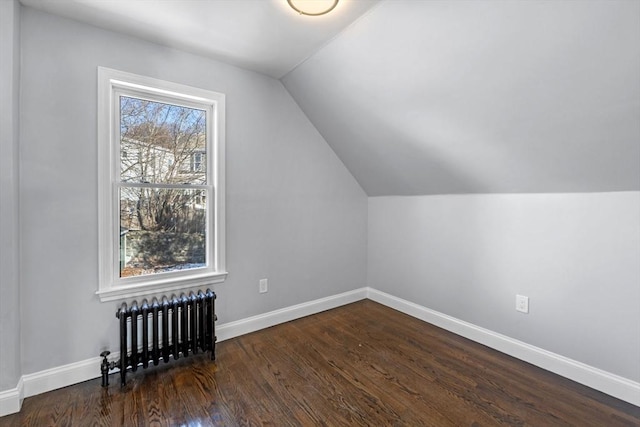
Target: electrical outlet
point(264, 286)
point(522, 303)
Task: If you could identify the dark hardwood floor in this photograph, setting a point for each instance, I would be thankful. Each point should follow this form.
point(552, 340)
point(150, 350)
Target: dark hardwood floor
point(361, 364)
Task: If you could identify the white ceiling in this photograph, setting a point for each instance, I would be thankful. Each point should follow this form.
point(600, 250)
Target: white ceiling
point(262, 35)
point(441, 97)
point(432, 96)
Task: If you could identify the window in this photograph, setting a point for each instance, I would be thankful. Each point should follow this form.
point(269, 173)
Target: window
point(197, 161)
point(161, 185)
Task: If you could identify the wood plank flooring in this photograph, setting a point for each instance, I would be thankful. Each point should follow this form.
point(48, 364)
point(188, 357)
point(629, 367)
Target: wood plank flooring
point(361, 364)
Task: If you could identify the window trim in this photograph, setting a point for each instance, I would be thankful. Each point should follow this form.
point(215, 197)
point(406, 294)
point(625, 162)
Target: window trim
point(110, 286)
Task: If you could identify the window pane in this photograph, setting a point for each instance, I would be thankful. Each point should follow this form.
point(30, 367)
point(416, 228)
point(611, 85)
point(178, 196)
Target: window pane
point(161, 143)
point(161, 230)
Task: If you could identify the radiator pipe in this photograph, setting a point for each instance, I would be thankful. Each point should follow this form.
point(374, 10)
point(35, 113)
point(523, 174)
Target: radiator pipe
point(104, 368)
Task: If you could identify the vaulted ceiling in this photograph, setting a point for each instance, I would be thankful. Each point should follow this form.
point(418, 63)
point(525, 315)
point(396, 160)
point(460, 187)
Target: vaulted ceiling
point(433, 97)
point(262, 35)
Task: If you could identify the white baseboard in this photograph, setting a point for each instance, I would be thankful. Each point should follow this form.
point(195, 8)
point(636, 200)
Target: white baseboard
point(606, 382)
point(11, 400)
point(272, 318)
point(61, 376)
point(73, 373)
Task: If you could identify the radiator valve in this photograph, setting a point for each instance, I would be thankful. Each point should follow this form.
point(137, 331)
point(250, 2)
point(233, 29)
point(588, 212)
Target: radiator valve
point(105, 367)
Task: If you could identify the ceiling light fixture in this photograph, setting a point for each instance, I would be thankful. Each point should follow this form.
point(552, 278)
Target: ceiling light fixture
point(313, 7)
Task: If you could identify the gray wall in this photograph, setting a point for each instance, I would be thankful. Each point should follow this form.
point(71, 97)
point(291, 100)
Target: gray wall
point(294, 213)
point(574, 255)
point(9, 195)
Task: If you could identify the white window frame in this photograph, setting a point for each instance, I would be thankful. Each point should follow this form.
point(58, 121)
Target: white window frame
point(112, 84)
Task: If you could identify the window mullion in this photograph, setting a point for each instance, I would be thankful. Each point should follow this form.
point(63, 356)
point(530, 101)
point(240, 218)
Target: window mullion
point(162, 185)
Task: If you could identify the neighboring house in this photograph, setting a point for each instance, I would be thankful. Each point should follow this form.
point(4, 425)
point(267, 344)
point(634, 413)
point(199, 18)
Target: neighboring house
point(162, 225)
point(148, 162)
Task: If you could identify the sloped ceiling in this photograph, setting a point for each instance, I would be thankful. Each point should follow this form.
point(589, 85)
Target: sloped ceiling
point(433, 97)
point(261, 35)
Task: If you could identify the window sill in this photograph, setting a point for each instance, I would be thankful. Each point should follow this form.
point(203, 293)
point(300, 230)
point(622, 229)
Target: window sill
point(160, 287)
